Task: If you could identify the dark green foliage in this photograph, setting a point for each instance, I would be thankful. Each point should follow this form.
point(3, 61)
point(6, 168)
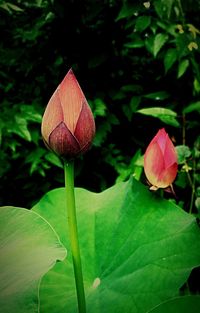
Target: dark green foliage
point(138, 65)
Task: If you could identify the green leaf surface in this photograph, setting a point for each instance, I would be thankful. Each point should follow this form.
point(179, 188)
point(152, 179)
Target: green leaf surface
point(136, 42)
point(169, 59)
point(10, 7)
point(183, 153)
point(187, 304)
point(167, 116)
point(158, 95)
point(192, 107)
point(163, 8)
point(29, 113)
point(20, 128)
point(35, 159)
point(182, 67)
point(99, 108)
point(29, 247)
point(142, 23)
point(137, 250)
point(126, 11)
point(159, 41)
point(53, 159)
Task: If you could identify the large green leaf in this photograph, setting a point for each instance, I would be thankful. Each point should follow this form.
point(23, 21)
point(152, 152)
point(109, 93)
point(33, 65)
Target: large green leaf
point(137, 250)
point(29, 247)
point(187, 304)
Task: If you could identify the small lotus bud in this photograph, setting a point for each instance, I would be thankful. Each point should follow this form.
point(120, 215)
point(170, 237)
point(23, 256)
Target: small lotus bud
point(68, 125)
point(160, 161)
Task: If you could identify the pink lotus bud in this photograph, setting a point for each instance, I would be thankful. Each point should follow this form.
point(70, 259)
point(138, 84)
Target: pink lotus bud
point(68, 125)
point(160, 161)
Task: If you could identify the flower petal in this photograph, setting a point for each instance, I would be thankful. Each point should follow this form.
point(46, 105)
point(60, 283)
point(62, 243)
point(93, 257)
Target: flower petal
point(161, 138)
point(170, 156)
point(85, 128)
point(153, 163)
point(167, 176)
point(63, 143)
point(52, 117)
point(72, 99)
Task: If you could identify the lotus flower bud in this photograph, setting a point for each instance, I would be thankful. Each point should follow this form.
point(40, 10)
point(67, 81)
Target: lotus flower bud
point(68, 125)
point(160, 161)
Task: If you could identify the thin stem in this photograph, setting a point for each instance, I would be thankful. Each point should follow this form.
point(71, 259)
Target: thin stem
point(192, 184)
point(192, 201)
point(189, 177)
point(191, 181)
point(73, 235)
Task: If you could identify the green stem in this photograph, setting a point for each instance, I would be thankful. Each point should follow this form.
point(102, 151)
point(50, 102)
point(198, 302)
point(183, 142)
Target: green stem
point(73, 235)
point(192, 184)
